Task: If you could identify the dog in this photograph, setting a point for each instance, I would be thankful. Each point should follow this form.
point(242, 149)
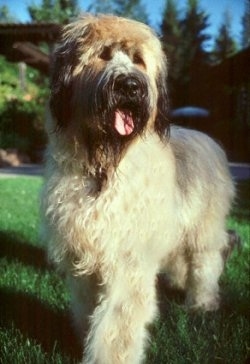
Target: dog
point(127, 195)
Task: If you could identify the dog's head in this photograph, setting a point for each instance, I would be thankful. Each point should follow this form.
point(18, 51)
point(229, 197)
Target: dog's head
point(108, 83)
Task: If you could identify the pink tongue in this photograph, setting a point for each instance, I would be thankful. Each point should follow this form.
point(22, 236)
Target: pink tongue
point(124, 123)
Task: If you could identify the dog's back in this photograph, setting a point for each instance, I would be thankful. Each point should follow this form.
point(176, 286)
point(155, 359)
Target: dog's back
point(201, 164)
point(203, 179)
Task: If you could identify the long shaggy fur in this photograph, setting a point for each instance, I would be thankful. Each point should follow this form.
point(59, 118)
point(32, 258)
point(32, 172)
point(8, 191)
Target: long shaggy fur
point(126, 196)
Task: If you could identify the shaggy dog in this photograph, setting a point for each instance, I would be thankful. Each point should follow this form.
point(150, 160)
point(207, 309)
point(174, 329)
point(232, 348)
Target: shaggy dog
point(126, 196)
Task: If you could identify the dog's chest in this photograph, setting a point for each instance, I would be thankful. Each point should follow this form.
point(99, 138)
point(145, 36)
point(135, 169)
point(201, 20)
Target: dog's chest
point(137, 198)
point(136, 209)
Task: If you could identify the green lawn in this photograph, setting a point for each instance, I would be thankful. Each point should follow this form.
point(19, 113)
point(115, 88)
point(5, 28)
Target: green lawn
point(35, 325)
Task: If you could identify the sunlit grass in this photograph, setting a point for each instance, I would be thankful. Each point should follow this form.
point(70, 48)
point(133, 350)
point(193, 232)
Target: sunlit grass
point(19, 213)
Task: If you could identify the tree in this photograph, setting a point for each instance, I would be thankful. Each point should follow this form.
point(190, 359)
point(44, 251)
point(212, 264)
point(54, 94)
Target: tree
point(183, 37)
point(171, 40)
point(193, 28)
point(102, 7)
point(132, 9)
point(225, 46)
point(61, 11)
point(246, 26)
point(5, 15)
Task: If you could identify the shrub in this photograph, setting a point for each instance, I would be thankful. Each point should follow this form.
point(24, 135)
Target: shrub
point(22, 125)
point(22, 109)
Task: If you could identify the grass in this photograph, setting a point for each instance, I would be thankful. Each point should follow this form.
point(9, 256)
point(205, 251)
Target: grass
point(35, 325)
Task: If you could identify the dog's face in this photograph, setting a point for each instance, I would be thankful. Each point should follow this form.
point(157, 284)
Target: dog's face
point(108, 83)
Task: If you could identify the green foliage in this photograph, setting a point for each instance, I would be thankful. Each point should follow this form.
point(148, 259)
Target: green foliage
point(8, 79)
point(21, 124)
point(21, 112)
point(54, 11)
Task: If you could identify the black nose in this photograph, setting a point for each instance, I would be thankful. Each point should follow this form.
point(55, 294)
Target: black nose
point(127, 86)
point(131, 87)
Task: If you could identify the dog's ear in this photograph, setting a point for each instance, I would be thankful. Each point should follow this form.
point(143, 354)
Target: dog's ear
point(161, 121)
point(63, 63)
point(64, 60)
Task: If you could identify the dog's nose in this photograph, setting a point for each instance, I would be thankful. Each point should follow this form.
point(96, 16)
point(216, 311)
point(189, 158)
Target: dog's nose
point(127, 86)
point(131, 87)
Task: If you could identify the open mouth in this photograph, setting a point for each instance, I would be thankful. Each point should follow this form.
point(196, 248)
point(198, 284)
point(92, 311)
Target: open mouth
point(124, 123)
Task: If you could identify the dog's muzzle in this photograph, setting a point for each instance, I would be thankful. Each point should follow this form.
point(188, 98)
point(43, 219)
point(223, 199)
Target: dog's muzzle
point(130, 92)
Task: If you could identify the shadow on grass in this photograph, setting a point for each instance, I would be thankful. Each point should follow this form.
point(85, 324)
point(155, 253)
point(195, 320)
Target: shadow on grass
point(15, 247)
point(33, 318)
point(39, 322)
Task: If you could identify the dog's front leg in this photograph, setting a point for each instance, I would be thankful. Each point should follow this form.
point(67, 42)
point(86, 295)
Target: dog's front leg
point(118, 328)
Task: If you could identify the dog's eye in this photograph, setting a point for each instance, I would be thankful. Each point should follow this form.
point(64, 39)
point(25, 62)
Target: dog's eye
point(106, 54)
point(137, 59)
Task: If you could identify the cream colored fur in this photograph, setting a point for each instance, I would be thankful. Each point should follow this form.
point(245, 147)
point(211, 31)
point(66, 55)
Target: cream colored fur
point(162, 209)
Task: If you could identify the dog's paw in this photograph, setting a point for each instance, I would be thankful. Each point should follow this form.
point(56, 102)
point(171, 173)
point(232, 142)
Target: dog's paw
point(206, 305)
point(234, 242)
